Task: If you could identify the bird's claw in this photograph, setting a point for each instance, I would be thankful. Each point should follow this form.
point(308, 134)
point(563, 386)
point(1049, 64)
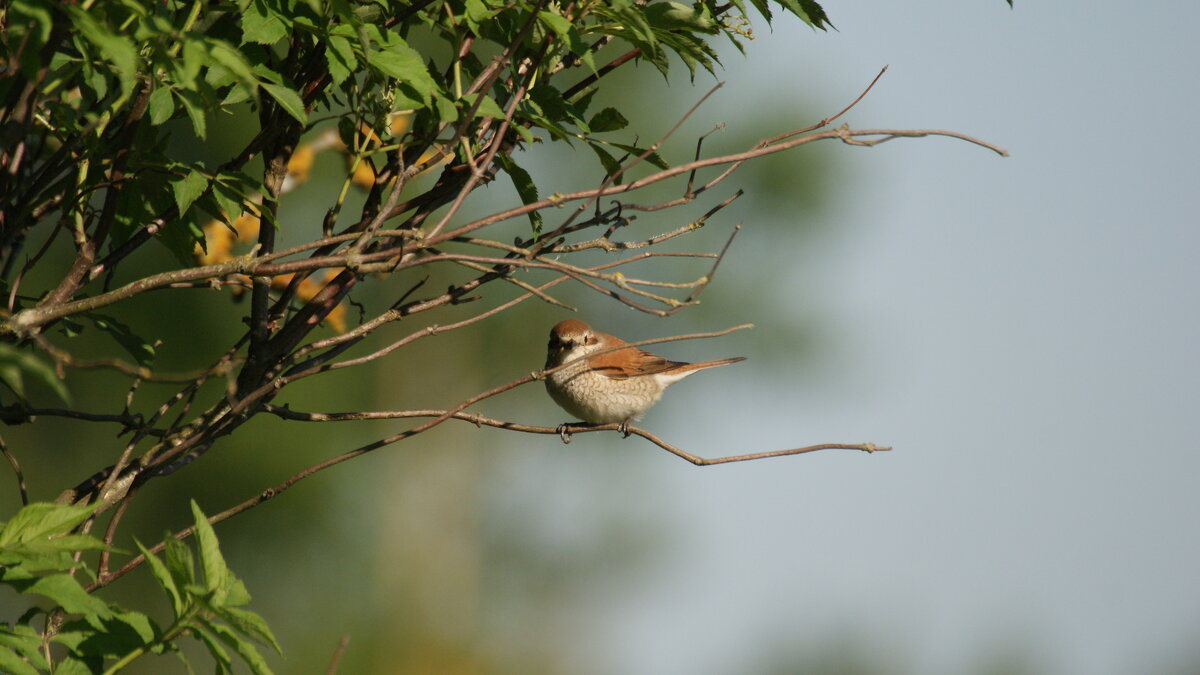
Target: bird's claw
point(564, 432)
point(624, 429)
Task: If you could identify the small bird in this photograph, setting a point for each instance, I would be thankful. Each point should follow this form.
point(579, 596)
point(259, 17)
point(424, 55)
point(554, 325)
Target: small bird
point(615, 386)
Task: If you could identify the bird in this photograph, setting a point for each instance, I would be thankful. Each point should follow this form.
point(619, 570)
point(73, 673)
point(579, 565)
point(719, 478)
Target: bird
point(614, 386)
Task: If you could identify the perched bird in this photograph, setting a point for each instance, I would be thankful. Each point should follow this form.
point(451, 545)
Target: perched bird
point(614, 386)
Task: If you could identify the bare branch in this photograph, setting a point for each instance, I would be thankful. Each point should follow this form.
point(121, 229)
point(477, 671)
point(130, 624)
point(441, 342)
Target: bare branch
point(16, 467)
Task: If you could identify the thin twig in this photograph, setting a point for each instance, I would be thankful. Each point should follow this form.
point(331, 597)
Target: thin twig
point(479, 420)
point(16, 470)
point(339, 650)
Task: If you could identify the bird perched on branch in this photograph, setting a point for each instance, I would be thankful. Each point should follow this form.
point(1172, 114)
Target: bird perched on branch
point(604, 383)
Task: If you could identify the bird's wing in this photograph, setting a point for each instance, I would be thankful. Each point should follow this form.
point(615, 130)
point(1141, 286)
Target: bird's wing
point(632, 362)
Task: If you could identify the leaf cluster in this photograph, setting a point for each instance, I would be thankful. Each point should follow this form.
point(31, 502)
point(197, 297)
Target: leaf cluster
point(38, 558)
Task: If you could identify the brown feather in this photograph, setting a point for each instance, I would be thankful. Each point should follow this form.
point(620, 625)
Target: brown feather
point(632, 362)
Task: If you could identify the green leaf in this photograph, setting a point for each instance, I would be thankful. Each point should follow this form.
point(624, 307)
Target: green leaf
point(339, 55)
point(526, 188)
point(232, 60)
point(69, 665)
point(16, 364)
point(653, 158)
point(487, 106)
point(194, 105)
point(161, 105)
point(114, 637)
point(188, 188)
point(41, 520)
point(10, 662)
point(809, 11)
point(178, 558)
point(261, 24)
point(249, 624)
point(211, 561)
point(141, 350)
point(162, 575)
point(66, 543)
point(67, 592)
point(610, 163)
point(118, 50)
point(288, 99)
point(445, 109)
point(249, 654)
point(236, 594)
point(608, 119)
point(556, 22)
point(229, 199)
point(476, 13)
point(20, 647)
point(224, 663)
point(397, 60)
point(139, 623)
point(677, 16)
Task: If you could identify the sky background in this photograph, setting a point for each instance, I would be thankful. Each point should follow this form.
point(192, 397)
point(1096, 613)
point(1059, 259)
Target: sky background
point(1024, 331)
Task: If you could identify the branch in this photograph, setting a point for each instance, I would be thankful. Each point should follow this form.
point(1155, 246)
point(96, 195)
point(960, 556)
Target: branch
point(287, 413)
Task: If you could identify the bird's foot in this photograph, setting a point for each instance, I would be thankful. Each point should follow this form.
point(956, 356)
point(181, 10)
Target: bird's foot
point(564, 432)
point(624, 429)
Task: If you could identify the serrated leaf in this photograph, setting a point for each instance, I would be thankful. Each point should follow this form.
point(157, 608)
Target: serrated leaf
point(677, 16)
point(809, 11)
point(69, 665)
point(10, 662)
point(249, 624)
point(249, 654)
point(211, 561)
point(178, 559)
point(224, 663)
point(487, 106)
point(158, 569)
point(114, 637)
point(188, 188)
point(21, 641)
point(69, 595)
point(445, 109)
point(233, 61)
point(399, 61)
point(40, 520)
point(288, 99)
point(608, 119)
point(139, 623)
point(228, 199)
point(555, 22)
point(194, 106)
point(610, 163)
point(161, 105)
point(67, 543)
point(339, 55)
point(236, 594)
point(525, 187)
point(262, 25)
point(118, 50)
point(16, 365)
point(653, 158)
